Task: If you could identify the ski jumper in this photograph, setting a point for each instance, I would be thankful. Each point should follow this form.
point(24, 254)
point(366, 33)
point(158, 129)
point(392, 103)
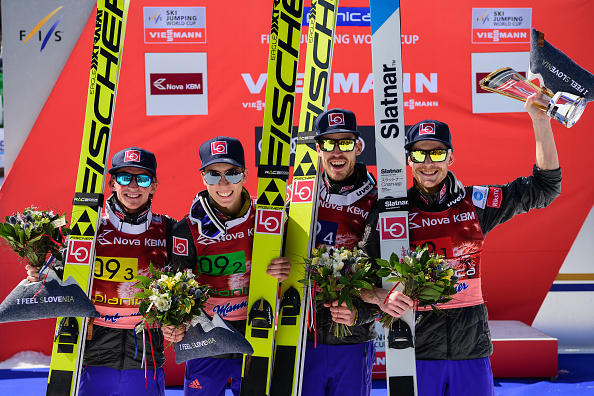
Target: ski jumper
point(117, 360)
point(453, 348)
point(222, 262)
point(342, 366)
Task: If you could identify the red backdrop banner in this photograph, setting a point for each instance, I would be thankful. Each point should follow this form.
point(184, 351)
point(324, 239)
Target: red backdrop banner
point(215, 55)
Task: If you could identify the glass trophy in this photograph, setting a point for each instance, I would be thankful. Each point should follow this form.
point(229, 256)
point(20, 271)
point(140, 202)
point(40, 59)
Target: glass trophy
point(561, 106)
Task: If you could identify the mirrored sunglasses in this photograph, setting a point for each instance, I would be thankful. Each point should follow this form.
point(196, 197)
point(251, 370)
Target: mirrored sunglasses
point(123, 179)
point(233, 176)
point(419, 156)
point(343, 144)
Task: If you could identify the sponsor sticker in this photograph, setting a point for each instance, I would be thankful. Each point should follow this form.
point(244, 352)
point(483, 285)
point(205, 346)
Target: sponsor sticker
point(479, 196)
point(79, 252)
point(302, 191)
point(132, 155)
point(173, 25)
point(494, 198)
point(269, 221)
point(180, 246)
point(427, 128)
point(218, 147)
point(176, 84)
point(393, 227)
point(335, 119)
point(501, 25)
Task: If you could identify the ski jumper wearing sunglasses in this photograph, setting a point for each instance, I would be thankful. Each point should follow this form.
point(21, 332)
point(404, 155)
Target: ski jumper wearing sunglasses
point(117, 360)
point(341, 366)
point(453, 348)
point(218, 247)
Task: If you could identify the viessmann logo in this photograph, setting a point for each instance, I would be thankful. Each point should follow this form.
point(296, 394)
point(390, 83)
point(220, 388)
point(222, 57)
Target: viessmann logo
point(37, 29)
point(176, 84)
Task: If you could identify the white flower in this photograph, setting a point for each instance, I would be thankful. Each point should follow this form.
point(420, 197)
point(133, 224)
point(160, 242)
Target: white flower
point(163, 303)
point(163, 278)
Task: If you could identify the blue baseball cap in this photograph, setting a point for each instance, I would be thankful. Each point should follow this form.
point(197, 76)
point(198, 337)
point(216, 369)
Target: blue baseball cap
point(335, 121)
point(428, 130)
point(134, 157)
point(222, 149)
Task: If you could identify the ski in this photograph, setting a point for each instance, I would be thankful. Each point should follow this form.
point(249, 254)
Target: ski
point(70, 335)
point(301, 229)
point(386, 50)
point(273, 173)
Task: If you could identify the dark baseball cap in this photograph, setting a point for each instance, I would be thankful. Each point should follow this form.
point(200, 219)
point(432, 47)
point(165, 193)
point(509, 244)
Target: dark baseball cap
point(222, 149)
point(428, 130)
point(134, 157)
point(335, 121)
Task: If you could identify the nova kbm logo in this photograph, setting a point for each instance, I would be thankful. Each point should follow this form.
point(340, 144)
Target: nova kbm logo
point(37, 29)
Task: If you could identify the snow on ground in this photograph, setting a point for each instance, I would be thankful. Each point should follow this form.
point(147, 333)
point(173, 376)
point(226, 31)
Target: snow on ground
point(26, 359)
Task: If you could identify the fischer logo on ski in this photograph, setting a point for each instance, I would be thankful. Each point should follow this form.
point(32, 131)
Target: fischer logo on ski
point(69, 343)
point(273, 173)
point(290, 334)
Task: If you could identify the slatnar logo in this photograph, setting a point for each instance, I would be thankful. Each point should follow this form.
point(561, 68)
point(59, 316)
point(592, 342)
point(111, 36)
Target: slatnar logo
point(52, 30)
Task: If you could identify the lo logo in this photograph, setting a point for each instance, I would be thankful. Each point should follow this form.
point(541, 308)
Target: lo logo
point(79, 252)
point(219, 147)
point(269, 221)
point(180, 246)
point(302, 191)
point(393, 228)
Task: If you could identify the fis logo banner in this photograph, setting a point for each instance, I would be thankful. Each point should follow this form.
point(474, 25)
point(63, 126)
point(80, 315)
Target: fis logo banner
point(501, 25)
point(175, 25)
point(37, 29)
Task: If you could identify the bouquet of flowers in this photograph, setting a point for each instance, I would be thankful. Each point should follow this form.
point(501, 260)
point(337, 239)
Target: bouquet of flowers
point(170, 298)
point(35, 235)
point(427, 278)
point(337, 274)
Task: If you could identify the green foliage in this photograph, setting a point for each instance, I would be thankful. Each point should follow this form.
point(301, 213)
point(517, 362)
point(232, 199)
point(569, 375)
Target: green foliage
point(338, 275)
point(170, 298)
point(427, 278)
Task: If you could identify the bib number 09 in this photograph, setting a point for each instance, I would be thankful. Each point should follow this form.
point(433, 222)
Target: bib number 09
point(116, 269)
point(223, 264)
